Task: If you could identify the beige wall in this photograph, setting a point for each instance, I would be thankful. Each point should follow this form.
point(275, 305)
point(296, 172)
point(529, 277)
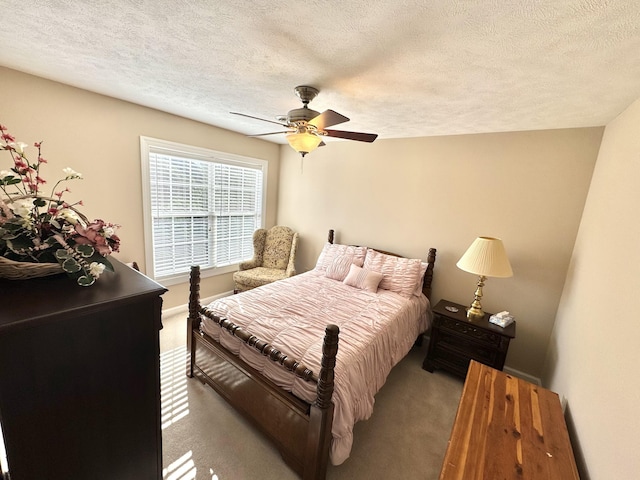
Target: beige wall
point(528, 188)
point(594, 352)
point(99, 137)
point(403, 195)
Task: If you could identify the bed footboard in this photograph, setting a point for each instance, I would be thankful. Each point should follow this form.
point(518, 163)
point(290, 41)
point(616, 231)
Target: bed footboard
point(301, 431)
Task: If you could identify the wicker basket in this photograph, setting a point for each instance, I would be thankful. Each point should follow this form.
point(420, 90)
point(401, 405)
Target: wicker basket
point(13, 270)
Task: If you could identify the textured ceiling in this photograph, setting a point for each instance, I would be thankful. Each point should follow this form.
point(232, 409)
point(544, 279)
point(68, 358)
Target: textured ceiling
point(399, 68)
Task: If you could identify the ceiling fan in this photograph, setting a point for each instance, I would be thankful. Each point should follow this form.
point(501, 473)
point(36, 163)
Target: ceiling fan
point(305, 127)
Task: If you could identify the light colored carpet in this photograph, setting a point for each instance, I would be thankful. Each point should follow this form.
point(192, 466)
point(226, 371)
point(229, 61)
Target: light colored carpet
point(205, 439)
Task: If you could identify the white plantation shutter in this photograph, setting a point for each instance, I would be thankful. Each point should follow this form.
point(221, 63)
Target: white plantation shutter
point(203, 211)
point(237, 203)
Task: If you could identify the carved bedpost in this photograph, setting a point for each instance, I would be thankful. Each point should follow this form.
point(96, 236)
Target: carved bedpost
point(325, 379)
point(193, 321)
point(428, 274)
point(321, 414)
point(330, 239)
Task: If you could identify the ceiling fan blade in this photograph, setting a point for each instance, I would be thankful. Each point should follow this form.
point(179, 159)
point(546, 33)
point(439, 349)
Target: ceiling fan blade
point(361, 137)
point(258, 118)
point(327, 118)
point(270, 133)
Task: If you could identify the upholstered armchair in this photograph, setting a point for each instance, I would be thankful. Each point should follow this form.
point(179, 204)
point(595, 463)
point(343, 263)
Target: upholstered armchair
point(274, 253)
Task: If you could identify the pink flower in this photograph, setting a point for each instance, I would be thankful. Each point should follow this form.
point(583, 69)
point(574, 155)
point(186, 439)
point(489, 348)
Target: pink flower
point(114, 242)
point(22, 166)
point(93, 235)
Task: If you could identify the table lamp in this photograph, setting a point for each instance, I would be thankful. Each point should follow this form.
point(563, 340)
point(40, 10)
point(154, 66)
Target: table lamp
point(485, 257)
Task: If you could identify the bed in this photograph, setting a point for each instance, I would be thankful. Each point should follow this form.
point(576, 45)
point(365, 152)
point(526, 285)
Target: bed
point(272, 352)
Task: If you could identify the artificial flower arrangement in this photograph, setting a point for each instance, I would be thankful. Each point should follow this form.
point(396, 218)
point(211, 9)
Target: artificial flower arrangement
point(40, 229)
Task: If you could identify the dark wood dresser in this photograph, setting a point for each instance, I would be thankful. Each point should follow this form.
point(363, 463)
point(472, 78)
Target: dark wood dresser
point(80, 377)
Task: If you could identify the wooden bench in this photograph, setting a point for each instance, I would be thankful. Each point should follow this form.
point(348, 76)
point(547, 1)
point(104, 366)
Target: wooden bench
point(507, 428)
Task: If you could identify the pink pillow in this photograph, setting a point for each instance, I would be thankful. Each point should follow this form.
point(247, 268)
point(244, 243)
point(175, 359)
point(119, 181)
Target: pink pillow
point(339, 268)
point(399, 274)
point(423, 269)
point(363, 279)
point(331, 250)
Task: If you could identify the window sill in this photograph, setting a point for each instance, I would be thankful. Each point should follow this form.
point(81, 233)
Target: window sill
point(204, 273)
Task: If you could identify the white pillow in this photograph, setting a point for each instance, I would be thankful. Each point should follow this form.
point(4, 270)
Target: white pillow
point(331, 250)
point(339, 268)
point(399, 274)
point(363, 279)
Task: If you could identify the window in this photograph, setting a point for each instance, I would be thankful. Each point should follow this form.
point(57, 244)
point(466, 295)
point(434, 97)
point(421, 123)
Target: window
point(201, 207)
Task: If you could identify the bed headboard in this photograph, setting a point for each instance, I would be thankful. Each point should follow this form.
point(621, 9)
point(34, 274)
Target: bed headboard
point(428, 274)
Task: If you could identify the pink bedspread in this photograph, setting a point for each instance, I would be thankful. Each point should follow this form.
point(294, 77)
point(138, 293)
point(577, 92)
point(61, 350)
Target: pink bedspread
point(376, 331)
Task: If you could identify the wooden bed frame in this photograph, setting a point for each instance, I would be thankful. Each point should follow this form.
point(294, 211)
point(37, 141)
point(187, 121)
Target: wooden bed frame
point(301, 431)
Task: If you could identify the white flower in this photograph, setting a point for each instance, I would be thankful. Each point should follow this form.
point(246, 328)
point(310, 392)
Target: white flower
point(18, 146)
point(96, 269)
point(22, 208)
point(70, 173)
point(69, 215)
point(6, 173)
point(108, 231)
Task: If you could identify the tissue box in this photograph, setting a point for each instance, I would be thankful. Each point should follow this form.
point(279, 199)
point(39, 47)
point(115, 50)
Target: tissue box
point(503, 319)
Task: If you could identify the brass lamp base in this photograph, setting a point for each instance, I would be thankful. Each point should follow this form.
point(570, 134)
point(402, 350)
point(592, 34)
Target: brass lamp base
point(474, 312)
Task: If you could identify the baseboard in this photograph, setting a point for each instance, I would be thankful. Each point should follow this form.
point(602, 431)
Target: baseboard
point(185, 308)
point(522, 375)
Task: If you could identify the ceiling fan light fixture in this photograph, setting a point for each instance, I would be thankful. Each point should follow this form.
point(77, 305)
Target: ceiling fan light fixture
point(306, 127)
point(303, 142)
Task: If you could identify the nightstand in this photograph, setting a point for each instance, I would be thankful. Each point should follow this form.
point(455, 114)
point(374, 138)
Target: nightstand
point(455, 340)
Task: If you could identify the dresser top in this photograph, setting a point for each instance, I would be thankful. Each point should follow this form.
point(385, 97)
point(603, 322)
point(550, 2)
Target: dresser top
point(25, 303)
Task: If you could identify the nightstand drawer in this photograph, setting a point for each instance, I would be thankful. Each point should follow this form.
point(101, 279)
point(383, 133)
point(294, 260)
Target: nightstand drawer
point(457, 364)
point(451, 344)
point(468, 330)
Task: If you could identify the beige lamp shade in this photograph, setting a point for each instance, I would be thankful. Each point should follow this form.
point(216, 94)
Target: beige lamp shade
point(487, 257)
point(303, 142)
